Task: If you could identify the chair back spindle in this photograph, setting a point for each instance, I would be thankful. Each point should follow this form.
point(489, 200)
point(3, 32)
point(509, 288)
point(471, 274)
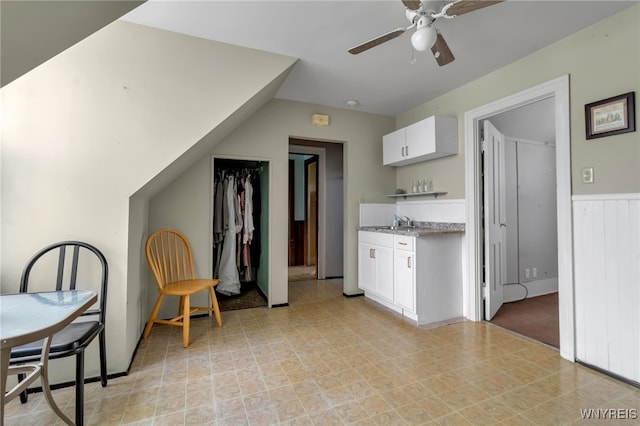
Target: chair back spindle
point(169, 257)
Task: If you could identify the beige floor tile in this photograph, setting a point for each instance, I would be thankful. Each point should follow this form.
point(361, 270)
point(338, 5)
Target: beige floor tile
point(289, 410)
point(326, 359)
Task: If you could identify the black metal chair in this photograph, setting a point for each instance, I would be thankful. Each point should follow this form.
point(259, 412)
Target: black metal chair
point(74, 338)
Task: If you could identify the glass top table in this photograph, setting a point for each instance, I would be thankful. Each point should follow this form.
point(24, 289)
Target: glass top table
point(28, 317)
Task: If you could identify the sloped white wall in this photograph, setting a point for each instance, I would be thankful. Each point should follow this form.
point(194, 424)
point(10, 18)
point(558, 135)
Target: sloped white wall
point(86, 130)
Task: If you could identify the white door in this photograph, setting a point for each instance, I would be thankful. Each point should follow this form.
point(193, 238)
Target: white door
point(366, 267)
point(495, 265)
point(393, 147)
point(404, 279)
point(384, 272)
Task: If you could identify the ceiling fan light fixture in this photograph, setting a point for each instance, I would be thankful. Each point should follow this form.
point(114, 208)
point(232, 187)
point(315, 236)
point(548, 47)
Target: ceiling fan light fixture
point(423, 38)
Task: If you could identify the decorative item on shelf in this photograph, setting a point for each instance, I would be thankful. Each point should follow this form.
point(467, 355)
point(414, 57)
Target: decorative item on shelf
point(429, 186)
point(433, 194)
point(420, 186)
point(414, 187)
point(400, 191)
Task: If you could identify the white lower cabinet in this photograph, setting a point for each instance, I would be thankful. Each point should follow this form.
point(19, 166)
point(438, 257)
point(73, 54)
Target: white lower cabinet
point(375, 264)
point(404, 272)
point(419, 277)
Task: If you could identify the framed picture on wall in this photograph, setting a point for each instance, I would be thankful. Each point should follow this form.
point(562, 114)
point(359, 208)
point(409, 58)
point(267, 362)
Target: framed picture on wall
point(610, 116)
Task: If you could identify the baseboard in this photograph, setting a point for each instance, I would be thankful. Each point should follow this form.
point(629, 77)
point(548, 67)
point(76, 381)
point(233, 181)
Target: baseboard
point(610, 374)
point(514, 292)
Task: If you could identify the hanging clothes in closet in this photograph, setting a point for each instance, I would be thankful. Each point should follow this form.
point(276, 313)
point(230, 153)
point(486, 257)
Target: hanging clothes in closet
point(234, 225)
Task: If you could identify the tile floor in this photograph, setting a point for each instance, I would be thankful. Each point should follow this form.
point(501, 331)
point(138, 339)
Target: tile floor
point(331, 360)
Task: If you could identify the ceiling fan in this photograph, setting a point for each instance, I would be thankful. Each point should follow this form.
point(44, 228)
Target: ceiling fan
point(426, 36)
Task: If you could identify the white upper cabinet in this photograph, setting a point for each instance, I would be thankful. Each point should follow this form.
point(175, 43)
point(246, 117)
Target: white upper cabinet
point(393, 147)
point(433, 137)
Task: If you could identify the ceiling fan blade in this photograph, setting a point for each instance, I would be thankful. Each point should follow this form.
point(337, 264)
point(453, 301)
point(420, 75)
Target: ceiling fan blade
point(461, 7)
point(412, 4)
point(377, 41)
point(441, 51)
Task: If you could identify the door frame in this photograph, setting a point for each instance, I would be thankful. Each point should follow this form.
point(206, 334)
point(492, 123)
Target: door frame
point(322, 201)
point(472, 296)
point(308, 213)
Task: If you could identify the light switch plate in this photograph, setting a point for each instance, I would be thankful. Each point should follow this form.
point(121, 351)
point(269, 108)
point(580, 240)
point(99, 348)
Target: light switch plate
point(587, 175)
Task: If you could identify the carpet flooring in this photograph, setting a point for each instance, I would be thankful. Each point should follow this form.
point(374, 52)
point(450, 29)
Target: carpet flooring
point(536, 317)
point(250, 297)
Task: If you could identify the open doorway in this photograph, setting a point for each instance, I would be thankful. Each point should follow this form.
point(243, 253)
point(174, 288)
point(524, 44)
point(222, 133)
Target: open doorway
point(319, 182)
point(474, 295)
point(520, 227)
point(303, 217)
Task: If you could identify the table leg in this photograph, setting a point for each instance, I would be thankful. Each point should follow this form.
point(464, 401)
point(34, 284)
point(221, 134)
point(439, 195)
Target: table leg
point(45, 381)
point(5, 355)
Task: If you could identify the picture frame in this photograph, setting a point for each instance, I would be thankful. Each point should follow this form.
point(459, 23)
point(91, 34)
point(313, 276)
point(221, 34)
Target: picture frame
point(611, 116)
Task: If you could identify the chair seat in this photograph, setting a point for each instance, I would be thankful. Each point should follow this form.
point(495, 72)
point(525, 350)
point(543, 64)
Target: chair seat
point(72, 337)
point(187, 287)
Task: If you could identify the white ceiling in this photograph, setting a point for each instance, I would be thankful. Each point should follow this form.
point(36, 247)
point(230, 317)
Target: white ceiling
point(382, 79)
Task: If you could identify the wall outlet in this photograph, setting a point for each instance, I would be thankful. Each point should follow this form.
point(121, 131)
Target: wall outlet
point(527, 273)
point(534, 271)
point(587, 175)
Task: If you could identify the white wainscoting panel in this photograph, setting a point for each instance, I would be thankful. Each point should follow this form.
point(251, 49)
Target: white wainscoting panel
point(607, 282)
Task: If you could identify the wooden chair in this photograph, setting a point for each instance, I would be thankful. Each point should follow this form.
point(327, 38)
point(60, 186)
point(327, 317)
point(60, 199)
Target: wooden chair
point(86, 268)
point(169, 257)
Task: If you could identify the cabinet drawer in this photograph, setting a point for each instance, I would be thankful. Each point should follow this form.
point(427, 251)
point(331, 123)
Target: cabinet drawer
point(403, 242)
point(376, 238)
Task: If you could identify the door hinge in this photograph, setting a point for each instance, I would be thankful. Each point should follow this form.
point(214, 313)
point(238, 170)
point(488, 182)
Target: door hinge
point(482, 145)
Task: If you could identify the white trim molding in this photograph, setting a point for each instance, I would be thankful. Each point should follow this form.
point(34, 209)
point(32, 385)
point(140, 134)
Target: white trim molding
point(558, 89)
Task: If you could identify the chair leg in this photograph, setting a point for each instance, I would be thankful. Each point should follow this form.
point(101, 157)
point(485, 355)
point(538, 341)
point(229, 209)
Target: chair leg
point(80, 388)
point(103, 358)
point(181, 306)
point(24, 396)
point(152, 317)
point(216, 307)
point(186, 321)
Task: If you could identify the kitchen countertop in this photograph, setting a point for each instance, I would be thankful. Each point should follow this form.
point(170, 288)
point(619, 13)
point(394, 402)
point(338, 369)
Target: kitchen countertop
point(421, 229)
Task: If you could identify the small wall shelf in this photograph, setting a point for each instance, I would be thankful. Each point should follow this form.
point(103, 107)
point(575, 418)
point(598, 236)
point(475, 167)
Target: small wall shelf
point(433, 194)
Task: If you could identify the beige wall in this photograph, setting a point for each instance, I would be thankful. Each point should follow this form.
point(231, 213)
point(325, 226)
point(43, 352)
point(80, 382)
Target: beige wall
point(86, 130)
point(602, 61)
point(265, 136)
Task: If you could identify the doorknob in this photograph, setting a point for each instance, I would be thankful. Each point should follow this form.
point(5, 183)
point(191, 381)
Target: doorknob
point(503, 225)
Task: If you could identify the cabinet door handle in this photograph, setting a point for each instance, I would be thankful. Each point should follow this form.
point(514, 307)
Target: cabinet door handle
point(409, 262)
point(402, 151)
point(401, 243)
point(372, 253)
point(406, 150)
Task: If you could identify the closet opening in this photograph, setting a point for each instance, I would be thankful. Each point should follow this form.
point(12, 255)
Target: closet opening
point(240, 232)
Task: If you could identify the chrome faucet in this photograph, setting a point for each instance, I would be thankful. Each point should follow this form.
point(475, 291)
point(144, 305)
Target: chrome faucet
point(397, 220)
